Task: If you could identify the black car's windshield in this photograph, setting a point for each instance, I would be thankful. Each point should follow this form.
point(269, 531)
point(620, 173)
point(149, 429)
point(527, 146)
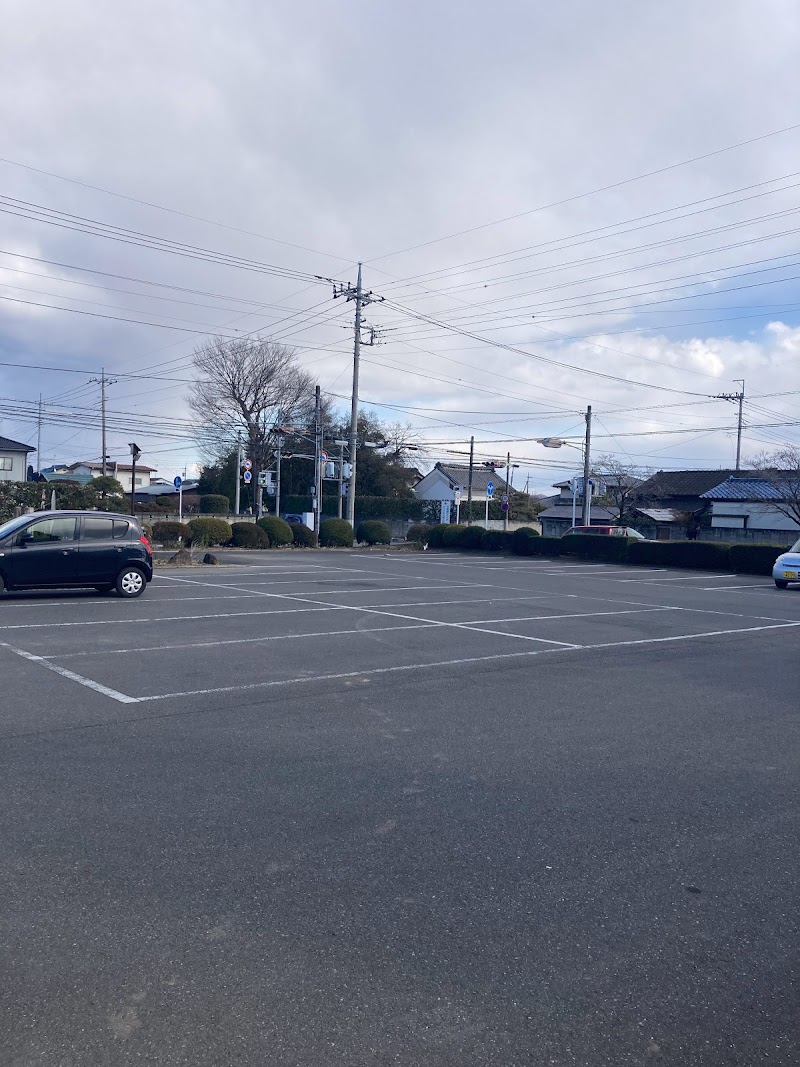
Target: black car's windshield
point(9, 527)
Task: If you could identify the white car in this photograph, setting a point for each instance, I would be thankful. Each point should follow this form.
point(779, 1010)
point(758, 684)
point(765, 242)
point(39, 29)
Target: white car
point(787, 567)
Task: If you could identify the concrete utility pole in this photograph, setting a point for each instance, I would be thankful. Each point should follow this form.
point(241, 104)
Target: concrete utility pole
point(317, 458)
point(738, 398)
point(469, 482)
point(102, 381)
point(586, 469)
point(279, 446)
point(237, 506)
point(508, 491)
point(39, 437)
point(361, 299)
point(341, 445)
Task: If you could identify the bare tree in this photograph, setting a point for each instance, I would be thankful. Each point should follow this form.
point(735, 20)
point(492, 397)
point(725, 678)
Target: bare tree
point(401, 438)
point(621, 481)
point(246, 386)
point(782, 469)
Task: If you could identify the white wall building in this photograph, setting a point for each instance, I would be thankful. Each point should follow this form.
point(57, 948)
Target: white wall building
point(121, 471)
point(13, 460)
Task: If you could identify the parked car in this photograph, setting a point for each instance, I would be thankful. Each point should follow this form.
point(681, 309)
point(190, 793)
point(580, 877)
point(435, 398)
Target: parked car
point(607, 531)
point(787, 567)
point(75, 548)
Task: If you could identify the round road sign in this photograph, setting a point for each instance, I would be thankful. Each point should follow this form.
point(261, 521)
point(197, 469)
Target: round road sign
point(504, 506)
point(177, 481)
point(248, 477)
point(248, 464)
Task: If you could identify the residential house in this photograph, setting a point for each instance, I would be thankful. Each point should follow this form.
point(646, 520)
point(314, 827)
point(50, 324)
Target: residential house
point(445, 479)
point(744, 509)
point(121, 471)
point(13, 460)
point(558, 517)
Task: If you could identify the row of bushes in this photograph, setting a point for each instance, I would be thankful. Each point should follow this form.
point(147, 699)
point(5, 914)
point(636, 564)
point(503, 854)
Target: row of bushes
point(696, 555)
point(268, 532)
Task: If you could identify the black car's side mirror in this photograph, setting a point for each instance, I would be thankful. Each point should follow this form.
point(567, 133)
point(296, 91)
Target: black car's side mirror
point(23, 539)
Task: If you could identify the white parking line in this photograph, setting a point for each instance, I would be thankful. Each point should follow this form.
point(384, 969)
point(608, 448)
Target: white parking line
point(683, 578)
point(275, 683)
point(71, 675)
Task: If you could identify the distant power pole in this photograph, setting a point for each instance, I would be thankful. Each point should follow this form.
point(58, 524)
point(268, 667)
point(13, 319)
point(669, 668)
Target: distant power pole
point(586, 469)
point(738, 398)
point(102, 381)
point(318, 458)
point(361, 299)
point(237, 506)
point(469, 481)
point(39, 437)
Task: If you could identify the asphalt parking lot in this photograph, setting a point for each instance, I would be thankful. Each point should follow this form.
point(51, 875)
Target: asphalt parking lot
point(364, 808)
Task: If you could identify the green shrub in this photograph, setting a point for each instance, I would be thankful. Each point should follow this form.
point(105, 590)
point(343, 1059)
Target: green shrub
point(471, 537)
point(278, 531)
point(171, 534)
point(210, 532)
point(418, 532)
point(373, 532)
point(336, 533)
point(451, 536)
point(497, 541)
point(700, 555)
point(649, 553)
point(595, 546)
point(755, 559)
point(167, 502)
point(248, 535)
point(522, 541)
point(302, 536)
point(436, 535)
point(214, 504)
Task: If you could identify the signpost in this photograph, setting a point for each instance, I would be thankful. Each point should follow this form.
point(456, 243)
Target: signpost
point(457, 498)
point(489, 495)
point(177, 481)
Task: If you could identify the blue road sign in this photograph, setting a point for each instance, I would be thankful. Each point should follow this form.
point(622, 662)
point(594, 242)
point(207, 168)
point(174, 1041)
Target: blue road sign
point(490, 488)
point(504, 506)
point(177, 481)
point(248, 477)
point(505, 498)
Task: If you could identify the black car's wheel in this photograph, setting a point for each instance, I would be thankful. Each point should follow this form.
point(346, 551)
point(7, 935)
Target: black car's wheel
point(131, 582)
point(781, 584)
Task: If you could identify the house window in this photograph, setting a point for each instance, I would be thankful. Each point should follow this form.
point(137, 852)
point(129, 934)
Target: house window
point(6, 463)
point(138, 481)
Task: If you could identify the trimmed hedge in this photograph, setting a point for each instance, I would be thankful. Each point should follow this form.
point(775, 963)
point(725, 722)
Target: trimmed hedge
point(278, 531)
point(171, 534)
point(699, 555)
point(436, 535)
point(336, 533)
point(302, 536)
point(418, 532)
point(649, 553)
point(522, 541)
point(595, 546)
point(213, 504)
point(248, 535)
point(497, 541)
point(755, 559)
point(373, 532)
point(209, 532)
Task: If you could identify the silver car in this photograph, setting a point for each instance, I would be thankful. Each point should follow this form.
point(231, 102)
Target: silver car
point(787, 567)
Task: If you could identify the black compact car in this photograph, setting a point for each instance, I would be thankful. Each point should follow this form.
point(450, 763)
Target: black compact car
point(75, 548)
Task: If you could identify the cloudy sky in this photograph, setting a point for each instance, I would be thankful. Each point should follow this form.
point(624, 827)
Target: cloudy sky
point(562, 204)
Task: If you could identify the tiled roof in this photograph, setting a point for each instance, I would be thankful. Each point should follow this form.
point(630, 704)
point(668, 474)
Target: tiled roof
point(459, 475)
point(15, 446)
point(748, 489)
point(665, 484)
point(564, 511)
point(661, 514)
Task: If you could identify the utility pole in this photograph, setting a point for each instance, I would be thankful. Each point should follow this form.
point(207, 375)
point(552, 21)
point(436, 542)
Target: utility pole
point(237, 506)
point(102, 381)
point(738, 398)
point(317, 459)
point(586, 469)
point(341, 445)
point(279, 446)
point(469, 482)
point(508, 491)
point(361, 299)
point(39, 437)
